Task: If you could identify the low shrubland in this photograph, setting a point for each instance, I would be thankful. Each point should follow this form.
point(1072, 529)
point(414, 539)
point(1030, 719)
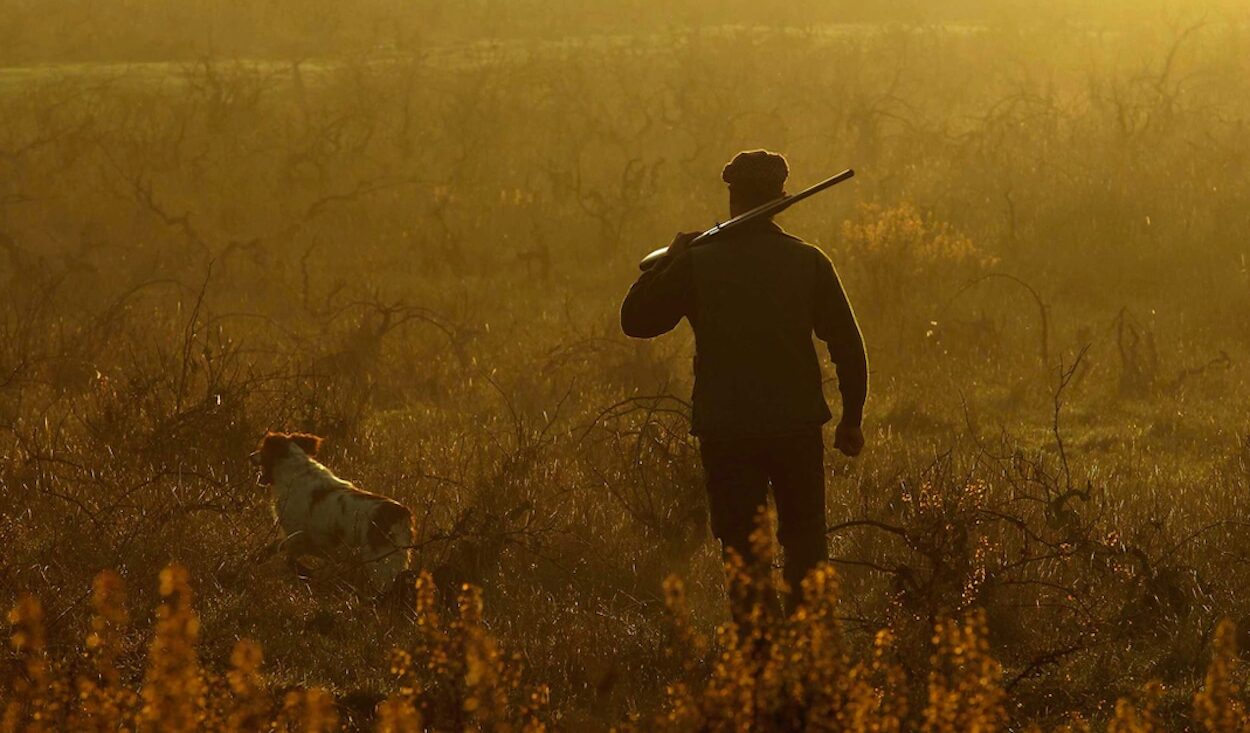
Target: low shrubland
point(419, 257)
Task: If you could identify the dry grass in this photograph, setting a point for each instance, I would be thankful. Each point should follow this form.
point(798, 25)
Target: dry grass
point(420, 257)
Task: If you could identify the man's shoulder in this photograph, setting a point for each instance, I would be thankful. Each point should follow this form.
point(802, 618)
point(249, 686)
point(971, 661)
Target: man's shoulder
point(798, 243)
point(776, 240)
point(771, 231)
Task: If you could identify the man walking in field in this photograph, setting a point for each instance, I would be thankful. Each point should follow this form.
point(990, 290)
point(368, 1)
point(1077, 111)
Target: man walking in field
point(754, 297)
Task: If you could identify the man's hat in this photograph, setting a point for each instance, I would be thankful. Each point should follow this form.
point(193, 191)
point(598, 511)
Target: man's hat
point(757, 173)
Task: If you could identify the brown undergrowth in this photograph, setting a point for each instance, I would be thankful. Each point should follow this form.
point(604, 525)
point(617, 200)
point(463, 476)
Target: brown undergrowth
point(769, 672)
point(417, 251)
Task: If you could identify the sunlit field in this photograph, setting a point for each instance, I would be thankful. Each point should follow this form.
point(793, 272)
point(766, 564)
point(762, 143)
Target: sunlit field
point(408, 230)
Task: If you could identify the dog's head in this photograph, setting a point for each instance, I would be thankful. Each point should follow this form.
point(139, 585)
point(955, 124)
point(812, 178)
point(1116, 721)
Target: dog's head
point(276, 446)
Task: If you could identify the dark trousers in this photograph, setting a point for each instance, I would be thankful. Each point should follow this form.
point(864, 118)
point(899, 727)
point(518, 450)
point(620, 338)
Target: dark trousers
point(738, 474)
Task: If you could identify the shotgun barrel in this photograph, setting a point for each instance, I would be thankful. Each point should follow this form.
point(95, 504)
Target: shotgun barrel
point(772, 208)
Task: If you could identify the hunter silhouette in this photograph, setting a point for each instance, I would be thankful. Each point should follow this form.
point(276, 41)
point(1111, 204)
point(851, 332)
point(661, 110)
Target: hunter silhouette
point(754, 298)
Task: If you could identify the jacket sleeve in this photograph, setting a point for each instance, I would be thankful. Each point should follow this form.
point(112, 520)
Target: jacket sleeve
point(660, 298)
point(835, 324)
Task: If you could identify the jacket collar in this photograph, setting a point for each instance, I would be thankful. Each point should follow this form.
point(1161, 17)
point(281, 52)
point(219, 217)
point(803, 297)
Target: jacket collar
point(765, 226)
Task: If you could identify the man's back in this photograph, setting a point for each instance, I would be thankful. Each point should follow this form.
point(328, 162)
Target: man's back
point(755, 298)
point(756, 370)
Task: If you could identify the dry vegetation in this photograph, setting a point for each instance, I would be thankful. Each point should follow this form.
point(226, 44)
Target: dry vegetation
point(416, 250)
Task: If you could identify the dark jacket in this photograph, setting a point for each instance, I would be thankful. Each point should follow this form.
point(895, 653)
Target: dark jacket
point(754, 298)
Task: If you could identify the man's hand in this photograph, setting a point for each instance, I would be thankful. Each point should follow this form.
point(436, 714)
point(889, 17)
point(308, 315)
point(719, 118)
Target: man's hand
point(849, 439)
point(681, 243)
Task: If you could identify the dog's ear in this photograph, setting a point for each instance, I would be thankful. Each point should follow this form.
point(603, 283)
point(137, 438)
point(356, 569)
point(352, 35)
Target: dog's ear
point(272, 448)
point(310, 444)
point(273, 445)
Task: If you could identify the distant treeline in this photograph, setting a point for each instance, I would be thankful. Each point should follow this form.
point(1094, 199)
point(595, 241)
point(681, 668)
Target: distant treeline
point(42, 31)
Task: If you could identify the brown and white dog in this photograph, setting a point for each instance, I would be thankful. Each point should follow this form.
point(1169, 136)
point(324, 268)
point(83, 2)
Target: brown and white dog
point(321, 514)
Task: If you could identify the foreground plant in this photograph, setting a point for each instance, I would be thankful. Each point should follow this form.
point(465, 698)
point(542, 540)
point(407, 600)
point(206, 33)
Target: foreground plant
point(766, 672)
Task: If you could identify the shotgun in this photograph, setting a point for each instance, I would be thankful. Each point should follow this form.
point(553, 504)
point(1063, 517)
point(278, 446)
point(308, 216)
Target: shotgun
point(772, 208)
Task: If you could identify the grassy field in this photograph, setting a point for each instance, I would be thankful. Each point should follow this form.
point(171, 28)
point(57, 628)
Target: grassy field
point(419, 255)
